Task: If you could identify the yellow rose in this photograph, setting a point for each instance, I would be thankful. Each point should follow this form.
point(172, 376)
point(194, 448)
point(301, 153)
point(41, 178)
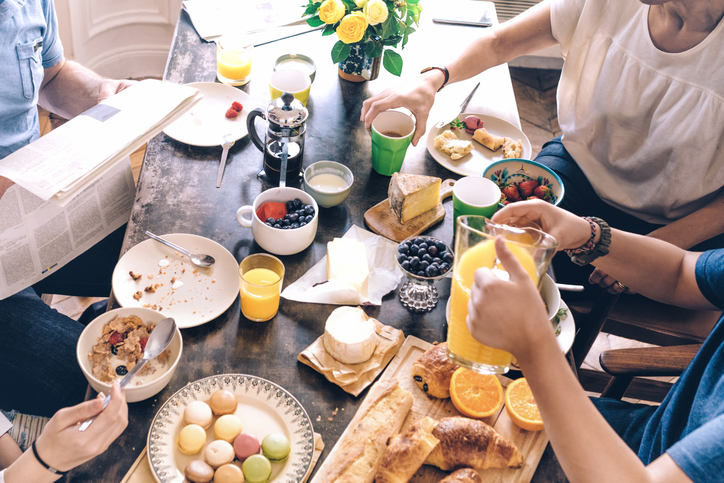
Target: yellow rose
point(331, 11)
point(376, 11)
point(352, 27)
point(360, 3)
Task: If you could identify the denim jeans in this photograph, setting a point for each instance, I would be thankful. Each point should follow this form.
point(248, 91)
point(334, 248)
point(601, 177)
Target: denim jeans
point(39, 373)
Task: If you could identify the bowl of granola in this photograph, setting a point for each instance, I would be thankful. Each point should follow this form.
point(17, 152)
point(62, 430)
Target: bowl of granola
point(111, 345)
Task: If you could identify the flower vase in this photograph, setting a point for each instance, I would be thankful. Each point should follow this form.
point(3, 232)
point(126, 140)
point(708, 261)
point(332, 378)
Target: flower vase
point(358, 67)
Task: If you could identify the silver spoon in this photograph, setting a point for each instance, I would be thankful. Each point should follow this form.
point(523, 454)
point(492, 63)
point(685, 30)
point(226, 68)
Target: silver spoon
point(157, 342)
point(226, 142)
point(200, 259)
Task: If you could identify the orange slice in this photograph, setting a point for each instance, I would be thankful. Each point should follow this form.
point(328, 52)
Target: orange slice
point(521, 406)
point(475, 395)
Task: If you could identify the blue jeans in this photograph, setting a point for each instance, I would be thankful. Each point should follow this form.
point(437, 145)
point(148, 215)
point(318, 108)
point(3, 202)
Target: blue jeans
point(39, 373)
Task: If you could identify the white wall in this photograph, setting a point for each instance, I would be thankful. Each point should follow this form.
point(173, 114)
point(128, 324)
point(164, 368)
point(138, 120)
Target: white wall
point(118, 39)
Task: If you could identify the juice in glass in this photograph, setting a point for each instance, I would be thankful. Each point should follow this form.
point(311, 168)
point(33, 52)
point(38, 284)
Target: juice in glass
point(261, 281)
point(233, 61)
point(475, 248)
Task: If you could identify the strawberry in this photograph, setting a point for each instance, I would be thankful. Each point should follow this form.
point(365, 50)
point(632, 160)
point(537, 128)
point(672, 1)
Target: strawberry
point(542, 192)
point(511, 193)
point(115, 338)
point(526, 188)
point(237, 106)
point(532, 198)
point(231, 113)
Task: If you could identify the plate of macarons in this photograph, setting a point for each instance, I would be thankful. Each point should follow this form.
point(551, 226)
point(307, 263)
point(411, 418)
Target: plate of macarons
point(231, 428)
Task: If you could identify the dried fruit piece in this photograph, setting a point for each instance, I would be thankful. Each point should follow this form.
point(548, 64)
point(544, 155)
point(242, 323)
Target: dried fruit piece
point(231, 113)
point(237, 106)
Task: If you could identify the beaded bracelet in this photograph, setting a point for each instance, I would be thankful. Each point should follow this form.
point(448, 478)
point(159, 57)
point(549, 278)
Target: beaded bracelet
point(46, 465)
point(589, 245)
point(590, 251)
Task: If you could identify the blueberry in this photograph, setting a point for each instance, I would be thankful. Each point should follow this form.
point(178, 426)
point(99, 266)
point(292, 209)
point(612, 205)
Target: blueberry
point(268, 224)
point(418, 241)
point(297, 203)
point(431, 271)
point(420, 273)
point(440, 246)
point(405, 265)
point(444, 267)
point(277, 226)
point(437, 260)
point(427, 258)
point(121, 370)
point(423, 245)
point(290, 206)
point(414, 262)
point(279, 220)
point(401, 257)
point(295, 225)
point(286, 222)
point(114, 350)
point(287, 227)
point(302, 223)
point(309, 218)
point(270, 220)
point(422, 252)
point(403, 248)
point(424, 265)
point(432, 250)
point(309, 209)
point(294, 218)
point(414, 249)
point(448, 258)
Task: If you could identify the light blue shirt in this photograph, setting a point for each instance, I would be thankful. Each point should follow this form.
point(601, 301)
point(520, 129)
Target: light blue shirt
point(29, 43)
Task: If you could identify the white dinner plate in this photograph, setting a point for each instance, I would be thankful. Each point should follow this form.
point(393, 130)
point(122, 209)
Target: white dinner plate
point(205, 123)
point(564, 337)
point(201, 294)
point(264, 407)
point(474, 164)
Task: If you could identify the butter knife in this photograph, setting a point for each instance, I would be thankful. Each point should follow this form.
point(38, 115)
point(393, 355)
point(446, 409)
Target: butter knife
point(448, 119)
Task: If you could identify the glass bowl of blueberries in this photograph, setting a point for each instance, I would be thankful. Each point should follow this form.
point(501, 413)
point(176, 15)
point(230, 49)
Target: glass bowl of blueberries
point(424, 260)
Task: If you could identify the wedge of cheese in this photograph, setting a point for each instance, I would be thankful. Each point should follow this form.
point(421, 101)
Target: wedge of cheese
point(413, 194)
point(349, 335)
point(347, 262)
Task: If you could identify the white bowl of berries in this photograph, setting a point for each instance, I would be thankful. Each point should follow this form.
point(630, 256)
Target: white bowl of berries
point(522, 179)
point(112, 343)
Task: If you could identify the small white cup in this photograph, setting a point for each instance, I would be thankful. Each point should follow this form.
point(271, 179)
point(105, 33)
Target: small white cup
point(274, 240)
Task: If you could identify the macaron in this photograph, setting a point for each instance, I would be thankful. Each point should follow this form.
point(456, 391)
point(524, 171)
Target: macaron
point(191, 439)
point(229, 474)
point(246, 445)
point(198, 412)
point(275, 446)
point(227, 427)
point(199, 472)
point(219, 452)
point(257, 469)
point(223, 402)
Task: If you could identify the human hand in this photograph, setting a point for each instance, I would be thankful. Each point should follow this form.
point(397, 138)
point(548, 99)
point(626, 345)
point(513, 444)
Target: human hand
point(110, 87)
point(496, 316)
point(417, 96)
point(63, 447)
point(5, 183)
point(606, 281)
point(569, 230)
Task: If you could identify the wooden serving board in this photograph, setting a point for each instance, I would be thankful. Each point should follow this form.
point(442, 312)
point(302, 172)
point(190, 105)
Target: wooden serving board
point(383, 221)
point(530, 444)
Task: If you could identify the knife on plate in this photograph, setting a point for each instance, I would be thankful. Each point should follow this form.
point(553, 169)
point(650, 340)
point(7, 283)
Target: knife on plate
point(447, 119)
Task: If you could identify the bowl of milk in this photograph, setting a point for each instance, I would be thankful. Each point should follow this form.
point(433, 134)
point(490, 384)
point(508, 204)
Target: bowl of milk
point(328, 182)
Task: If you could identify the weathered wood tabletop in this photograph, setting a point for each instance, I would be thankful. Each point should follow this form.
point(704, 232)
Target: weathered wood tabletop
point(177, 194)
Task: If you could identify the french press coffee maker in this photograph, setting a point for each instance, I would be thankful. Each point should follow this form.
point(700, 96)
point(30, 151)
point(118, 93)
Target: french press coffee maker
point(283, 146)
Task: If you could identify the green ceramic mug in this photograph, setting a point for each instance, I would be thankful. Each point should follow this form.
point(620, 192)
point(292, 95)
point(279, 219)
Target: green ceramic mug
point(391, 135)
point(475, 195)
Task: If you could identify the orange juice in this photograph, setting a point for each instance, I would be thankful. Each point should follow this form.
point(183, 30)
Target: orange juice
point(234, 65)
point(460, 342)
point(260, 288)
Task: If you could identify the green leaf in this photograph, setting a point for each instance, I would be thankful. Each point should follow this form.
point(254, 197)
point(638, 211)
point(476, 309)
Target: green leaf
point(392, 41)
point(328, 30)
point(314, 21)
point(340, 51)
point(312, 8)
point(373, 50)
point(408, 31)
point(410, 19)
point(392, 61)
point(350, 5)
point(413, 2)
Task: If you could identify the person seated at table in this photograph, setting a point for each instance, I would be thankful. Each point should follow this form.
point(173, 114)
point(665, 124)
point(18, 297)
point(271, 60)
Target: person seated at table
point(35, 341)
point(639, 105)
point(604, 439)
point(61, 447)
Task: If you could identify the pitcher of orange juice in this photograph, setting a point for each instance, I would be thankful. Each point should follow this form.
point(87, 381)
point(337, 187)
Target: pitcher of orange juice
point(475, 248)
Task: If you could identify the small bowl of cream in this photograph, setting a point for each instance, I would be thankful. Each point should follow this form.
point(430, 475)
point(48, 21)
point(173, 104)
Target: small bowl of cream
point(298, 62)
point(328, 182)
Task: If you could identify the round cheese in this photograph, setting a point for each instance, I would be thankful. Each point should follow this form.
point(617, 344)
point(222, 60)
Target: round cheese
point(349, 335)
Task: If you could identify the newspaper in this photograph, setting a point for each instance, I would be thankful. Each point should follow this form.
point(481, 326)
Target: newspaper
point(62, 163)
point(39, 237)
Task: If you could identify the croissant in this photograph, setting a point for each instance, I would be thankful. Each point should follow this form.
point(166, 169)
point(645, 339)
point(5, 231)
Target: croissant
point(433, 370)
point(464, 475)
point(469, 443)
point(407, 452)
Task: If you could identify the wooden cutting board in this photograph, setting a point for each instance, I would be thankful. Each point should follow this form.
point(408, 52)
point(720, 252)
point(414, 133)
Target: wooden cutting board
point(383, 221)
point(530, 444)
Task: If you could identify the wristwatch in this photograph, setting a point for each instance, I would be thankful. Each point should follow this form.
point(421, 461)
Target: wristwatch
point(600, 249)
point(441, 69)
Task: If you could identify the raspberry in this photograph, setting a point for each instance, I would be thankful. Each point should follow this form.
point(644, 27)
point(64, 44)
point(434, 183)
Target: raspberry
point(231, 113)
point(115, 338)
point(237, 106)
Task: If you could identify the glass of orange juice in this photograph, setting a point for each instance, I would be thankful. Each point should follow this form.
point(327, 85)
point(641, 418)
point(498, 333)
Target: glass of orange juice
point(233, 60)
point(475, 248)
point(261, 277)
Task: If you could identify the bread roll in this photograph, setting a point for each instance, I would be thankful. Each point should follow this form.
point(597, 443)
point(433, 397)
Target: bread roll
point(469, 443)
point(464, 475)
point(358, 453)
point(512, 149)
point(407, 452)
point(433, 370)
point(490, 141)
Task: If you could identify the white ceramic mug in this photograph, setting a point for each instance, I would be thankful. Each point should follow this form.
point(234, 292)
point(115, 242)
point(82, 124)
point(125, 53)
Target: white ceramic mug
point(274, 240)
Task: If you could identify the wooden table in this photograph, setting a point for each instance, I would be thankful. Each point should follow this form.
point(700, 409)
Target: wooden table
point(177, 194)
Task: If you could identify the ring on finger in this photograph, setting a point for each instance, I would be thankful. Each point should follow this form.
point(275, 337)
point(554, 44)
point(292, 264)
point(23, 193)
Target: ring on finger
point(621, 286)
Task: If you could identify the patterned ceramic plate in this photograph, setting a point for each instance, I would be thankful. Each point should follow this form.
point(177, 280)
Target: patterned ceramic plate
point(264, 407)
point(481, 157)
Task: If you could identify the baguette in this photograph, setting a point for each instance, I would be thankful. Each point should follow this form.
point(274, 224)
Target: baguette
point(407, 452)
point(357, 455)
point(469, 443)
